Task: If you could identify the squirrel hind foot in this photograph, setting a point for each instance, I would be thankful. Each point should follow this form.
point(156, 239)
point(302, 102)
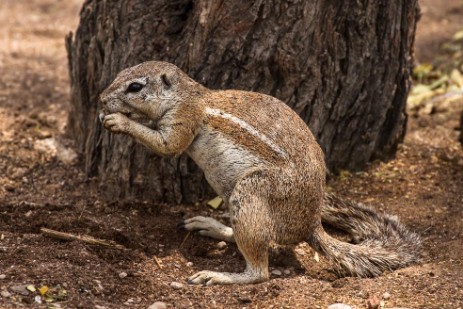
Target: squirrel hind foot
point(207, 277)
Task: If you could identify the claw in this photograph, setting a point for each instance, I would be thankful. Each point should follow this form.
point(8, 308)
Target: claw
point(101, 116)
point(181, 226)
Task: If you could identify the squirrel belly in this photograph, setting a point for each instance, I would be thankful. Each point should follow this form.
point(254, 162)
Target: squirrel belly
point(261, 157)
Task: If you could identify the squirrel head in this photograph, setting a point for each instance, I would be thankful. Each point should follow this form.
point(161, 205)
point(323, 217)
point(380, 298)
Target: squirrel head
point(147, 90)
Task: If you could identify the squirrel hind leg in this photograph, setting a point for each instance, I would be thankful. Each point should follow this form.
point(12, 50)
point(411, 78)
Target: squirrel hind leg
point(254, 249)
point(252, 232)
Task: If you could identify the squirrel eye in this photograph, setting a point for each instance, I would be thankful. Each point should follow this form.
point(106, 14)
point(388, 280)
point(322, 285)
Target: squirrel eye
point(134, 87)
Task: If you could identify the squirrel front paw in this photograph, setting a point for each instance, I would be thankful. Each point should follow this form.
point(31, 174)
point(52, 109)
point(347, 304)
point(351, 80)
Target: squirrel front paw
point(116, 123)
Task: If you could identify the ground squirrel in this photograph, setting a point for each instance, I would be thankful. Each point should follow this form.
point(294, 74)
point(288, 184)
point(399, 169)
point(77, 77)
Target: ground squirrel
point(262, 159)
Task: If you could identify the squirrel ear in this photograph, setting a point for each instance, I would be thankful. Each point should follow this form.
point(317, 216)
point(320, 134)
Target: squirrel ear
point(166, 81)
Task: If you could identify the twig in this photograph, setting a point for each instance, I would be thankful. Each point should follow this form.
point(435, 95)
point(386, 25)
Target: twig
point(451, 95)
point(157, 261)
point(184, 239)
point(86, 239)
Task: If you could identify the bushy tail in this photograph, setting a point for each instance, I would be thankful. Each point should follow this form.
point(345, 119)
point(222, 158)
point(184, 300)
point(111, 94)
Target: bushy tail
point(382, 243)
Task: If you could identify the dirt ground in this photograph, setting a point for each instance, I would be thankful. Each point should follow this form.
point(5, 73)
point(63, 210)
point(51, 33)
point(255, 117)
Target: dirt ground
point(38, 188)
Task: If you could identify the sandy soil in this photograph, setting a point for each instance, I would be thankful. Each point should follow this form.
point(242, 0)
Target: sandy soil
point(423, 186)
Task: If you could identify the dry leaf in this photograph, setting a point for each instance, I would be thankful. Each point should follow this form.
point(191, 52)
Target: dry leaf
point(31, 288)
point(344, 174)
point(456, 77)
point(215, 202)
point(43, 290)
point(458, 35)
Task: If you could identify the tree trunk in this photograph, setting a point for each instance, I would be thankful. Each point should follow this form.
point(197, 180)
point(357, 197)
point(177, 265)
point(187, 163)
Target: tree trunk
point(344, 66)
point(461, 128)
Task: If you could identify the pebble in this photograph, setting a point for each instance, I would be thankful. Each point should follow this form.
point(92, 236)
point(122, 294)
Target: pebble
point(221, 245)
point(5, 294)
point(38, 299)
point(122, 275)
point(339, 306)
point(276, 272)
point(287, 272)
point(386, 296)
point(158, 305)
point(176, 285)
point(10, 187)
point(299, 251)
point(189, 264)
point(2, 276)
point(245, 299)
point(373, 302)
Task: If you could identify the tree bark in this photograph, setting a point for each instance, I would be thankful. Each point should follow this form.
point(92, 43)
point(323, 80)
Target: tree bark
point(461, 128)
point(343, 66)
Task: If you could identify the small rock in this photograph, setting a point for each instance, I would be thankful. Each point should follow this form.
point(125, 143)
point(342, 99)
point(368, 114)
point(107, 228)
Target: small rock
point(99, 287)
point(43, 134)
point(221, 245)
point(339, 283)
point(299, 251)
point(2, 276)
point(287, 272)
point(189, 264)
point(158, 305)
point(373, 302)
point(339, 306)
point(215, 253)
point(245, 299)
point(20, 289)
point(5, 294)
point(276, 272)
point(386, 296)
point(10, 188)
point(122, 275)
point(176, 285)
point(38, 299)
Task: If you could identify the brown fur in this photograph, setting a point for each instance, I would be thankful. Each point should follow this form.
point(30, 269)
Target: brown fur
point(263, 160)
